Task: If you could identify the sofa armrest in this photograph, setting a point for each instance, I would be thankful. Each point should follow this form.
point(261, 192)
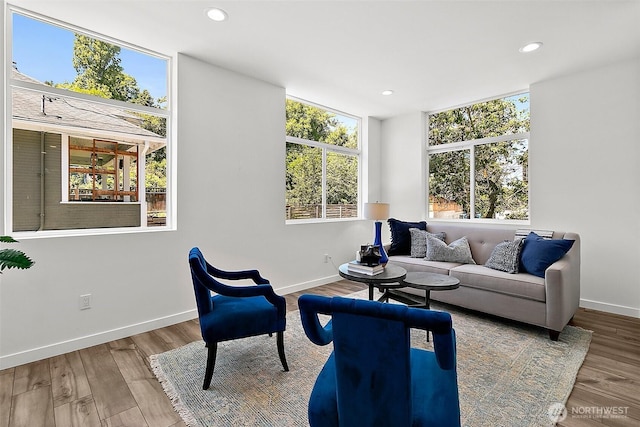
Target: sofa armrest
point(562, 286)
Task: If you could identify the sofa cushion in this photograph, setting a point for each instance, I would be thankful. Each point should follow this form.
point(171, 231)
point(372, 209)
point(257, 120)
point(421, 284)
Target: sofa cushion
point(522, 285)
point(506, 256)
point(420, 264)
point(401, 237)
point(539, 253)
point(419, 242)
point(456, 251)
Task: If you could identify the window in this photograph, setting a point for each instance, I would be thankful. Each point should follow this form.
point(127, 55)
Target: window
point(478, 160)
point(89, 119)
point(102, 171)
point(322, 163)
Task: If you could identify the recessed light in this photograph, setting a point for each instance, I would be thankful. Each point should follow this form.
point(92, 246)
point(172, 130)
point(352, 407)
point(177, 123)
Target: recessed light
point(530, 47)
point(387, 92)
point(217, 15)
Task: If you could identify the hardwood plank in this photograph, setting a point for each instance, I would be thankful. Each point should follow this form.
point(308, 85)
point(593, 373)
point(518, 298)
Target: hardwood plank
point(613, 367)
point(175, 336)
point(6, 394)
point(130, 418)
point(589, 402)
point(68, 379)
point(128, 359)
point(33, 408)
point(609, 385)
point(150, 343)
point(31, 376)
point(190, 330)
point(152, 401)
point(110, 391)
point(78, 413)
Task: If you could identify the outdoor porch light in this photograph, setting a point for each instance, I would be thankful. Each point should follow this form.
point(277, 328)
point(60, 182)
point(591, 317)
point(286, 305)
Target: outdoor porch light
point(377, 212)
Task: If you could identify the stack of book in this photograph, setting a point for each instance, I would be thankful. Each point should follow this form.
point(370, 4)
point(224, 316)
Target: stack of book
point(371, 270)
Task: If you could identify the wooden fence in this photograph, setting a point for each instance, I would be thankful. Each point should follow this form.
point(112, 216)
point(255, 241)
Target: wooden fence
point(315, 211)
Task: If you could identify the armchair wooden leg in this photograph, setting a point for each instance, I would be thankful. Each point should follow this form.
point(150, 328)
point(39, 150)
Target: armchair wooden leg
point(211, 361)
point(283, 359)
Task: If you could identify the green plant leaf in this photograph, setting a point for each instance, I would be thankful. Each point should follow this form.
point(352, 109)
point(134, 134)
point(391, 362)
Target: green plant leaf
point(11, 258)
point(7, 239)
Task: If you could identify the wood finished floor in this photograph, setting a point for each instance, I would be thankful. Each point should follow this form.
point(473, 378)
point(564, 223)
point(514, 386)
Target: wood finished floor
point(112, 384)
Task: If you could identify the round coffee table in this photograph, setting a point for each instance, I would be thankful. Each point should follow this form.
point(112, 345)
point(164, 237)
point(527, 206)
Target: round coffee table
point(391, 277)
point(427, 282)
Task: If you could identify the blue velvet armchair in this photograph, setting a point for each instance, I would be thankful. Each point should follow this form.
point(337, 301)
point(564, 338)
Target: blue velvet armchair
point(234, 311)
point(373, 377)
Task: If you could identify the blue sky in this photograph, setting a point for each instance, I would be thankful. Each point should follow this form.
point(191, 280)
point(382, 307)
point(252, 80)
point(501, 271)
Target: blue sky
point(44, 52)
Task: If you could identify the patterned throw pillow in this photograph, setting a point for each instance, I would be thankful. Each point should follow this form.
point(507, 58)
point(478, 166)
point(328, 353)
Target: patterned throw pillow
point(419, 242)
point(456, 251)
point(506, 256)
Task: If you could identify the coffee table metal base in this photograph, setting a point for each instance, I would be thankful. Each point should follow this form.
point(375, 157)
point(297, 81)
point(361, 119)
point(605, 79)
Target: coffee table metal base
point(391, 277)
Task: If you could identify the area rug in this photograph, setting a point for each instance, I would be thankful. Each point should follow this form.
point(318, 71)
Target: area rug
point(509, 374)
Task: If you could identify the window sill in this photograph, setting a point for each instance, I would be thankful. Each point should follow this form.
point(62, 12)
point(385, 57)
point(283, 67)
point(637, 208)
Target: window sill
point(320, 221)
point(81, 203)
point(485, 221)
point(28, 235)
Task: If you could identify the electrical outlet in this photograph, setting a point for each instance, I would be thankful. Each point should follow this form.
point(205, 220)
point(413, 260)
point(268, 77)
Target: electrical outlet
point(85, 301)
point(326, 258)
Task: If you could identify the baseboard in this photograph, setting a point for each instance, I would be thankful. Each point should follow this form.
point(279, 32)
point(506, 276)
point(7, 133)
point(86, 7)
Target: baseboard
point(307, 285)
point(63, 347)
point(610, 308)
point(44, 352)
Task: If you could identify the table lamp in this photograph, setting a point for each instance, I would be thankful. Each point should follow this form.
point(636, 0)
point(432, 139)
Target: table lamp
point(378, 211)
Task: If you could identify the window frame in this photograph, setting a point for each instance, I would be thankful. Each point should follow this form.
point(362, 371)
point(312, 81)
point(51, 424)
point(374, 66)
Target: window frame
point(470, 145)
point(168, 114)
point(117, 195)
point(326, 147)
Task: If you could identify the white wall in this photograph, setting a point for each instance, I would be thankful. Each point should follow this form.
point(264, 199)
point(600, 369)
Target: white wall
point(230, 204)
point(584, 175)
point(402, 151)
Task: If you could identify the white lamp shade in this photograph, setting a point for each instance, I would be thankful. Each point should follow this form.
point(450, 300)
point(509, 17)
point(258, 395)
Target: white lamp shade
point(376, 211)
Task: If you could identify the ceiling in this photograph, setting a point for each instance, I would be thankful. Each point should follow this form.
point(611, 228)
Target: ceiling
point(343, 54)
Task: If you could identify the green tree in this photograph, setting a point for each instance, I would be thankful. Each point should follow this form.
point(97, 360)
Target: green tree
point(98, 67)
point(304, 163)
point(498, 188)
point(100, 73)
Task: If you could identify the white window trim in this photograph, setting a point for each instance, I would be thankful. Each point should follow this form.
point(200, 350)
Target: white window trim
point(336, 149)
point(169, 114)
point(468, 145)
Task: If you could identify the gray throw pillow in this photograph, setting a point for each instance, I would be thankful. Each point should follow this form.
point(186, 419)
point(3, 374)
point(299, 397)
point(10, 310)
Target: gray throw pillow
point(419, 241)
point(456, 251)
point(506, 256)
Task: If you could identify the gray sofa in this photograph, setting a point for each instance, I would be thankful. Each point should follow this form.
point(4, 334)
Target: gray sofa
point(549, 302)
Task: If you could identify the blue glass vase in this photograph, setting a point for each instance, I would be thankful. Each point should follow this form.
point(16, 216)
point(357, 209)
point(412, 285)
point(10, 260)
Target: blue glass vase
point(384, 259)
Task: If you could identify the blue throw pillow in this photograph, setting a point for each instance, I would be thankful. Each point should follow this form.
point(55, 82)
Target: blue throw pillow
point(538, 253)
point(401, 237)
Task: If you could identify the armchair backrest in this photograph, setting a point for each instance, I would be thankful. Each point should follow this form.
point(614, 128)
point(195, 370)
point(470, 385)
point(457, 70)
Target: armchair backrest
point(199, 276)
point(372, 354)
